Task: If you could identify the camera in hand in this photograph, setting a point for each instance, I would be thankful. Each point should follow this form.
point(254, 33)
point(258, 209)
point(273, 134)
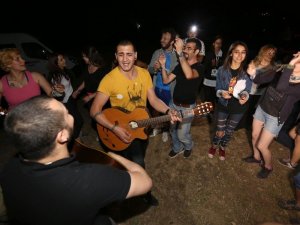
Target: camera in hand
point(242, 95)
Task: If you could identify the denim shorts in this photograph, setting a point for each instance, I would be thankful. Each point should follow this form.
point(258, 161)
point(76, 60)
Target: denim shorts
point(270, 122)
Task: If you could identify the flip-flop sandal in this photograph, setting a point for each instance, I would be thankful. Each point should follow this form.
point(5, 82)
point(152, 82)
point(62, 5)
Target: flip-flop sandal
point(289, 205)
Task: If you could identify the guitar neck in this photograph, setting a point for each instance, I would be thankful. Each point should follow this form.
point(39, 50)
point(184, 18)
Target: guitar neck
point(161, 119)
point(153, 121)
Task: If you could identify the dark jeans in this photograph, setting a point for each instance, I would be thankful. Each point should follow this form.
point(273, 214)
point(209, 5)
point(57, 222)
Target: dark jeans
point(136, 151)
point(210, 95)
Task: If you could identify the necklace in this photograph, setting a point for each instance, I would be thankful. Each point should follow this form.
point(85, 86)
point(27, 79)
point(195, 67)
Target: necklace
point(13, 82)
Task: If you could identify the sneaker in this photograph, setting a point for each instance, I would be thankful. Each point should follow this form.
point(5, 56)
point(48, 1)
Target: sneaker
point(187, 153)
point(264, 173)
point(221, 154)
point(155, 132)
point(165, 136)
point(150, 199)
point(211, 152)
point(251, 159)
point(287, 164)
point(173, 154)
point(289, 205)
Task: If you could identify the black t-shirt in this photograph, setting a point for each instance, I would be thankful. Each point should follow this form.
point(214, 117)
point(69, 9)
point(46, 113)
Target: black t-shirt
point(91, 81)
point(186, 90)
point(208, 64)
point(64, 192)
point(233, 106)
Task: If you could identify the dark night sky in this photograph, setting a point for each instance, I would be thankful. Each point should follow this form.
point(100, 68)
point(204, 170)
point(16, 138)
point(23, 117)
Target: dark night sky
point(69, 26)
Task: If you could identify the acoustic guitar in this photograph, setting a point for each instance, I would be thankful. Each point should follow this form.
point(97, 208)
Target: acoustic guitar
point(136, 122)
point(90, 155)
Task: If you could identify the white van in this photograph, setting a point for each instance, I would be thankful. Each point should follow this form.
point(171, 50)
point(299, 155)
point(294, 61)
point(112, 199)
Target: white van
point(32, 50)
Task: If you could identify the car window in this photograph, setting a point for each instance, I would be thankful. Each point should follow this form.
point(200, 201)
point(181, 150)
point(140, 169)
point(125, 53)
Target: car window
point(34, 50)
point(2, 46)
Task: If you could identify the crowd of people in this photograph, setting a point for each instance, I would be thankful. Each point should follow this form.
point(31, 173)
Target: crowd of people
point(45, 168)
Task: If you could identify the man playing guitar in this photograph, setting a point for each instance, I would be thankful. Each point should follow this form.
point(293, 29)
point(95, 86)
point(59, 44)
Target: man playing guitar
point(129, 87)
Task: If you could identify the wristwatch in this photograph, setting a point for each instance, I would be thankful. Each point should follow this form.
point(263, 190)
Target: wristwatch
point(179, 54)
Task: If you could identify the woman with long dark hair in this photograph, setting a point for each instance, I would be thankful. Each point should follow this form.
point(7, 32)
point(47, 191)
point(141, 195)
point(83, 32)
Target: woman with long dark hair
point(232, 89)
point(60, 76)
point(95, 71)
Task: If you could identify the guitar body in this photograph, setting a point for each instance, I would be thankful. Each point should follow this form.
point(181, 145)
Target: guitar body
point(125, 120)
point(90, 155)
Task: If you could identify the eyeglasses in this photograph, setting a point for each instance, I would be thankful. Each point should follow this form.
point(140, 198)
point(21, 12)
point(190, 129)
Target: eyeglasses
point(189, 48)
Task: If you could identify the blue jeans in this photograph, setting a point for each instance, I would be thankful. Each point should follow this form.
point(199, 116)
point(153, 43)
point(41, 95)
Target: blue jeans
point(226, 122)
point(180, 131)
point(297, 180)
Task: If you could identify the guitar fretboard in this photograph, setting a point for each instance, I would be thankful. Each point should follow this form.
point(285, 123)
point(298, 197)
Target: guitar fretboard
point(161, 119)
point(153, 121)
point(199, 110)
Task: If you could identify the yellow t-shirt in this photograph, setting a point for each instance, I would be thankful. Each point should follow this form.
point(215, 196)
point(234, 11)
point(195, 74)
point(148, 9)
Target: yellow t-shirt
point(125, 93)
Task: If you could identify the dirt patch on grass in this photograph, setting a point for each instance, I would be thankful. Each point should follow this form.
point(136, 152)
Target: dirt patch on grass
point(203, 191)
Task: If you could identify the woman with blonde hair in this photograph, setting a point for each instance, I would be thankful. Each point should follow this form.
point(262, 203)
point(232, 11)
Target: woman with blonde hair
point(265, 60)
point(19, 84)
point(273, 109)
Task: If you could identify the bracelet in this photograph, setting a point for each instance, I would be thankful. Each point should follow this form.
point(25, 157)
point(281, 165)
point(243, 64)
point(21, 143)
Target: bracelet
point(56, 93)
point(289, 66)
point(113, 127)
point(167, 111)
point(96, 114)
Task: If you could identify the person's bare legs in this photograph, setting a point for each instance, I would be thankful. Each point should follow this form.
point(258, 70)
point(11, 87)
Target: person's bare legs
point(292, 133)
point(263, 144)
point(257, 127)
